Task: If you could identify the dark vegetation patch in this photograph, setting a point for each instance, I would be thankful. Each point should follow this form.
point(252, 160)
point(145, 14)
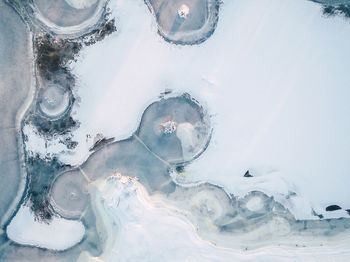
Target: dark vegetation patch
point(106, 28)
point(180, 169)
point(333, 208)
point(165, 93)
point(53, 54)
point(69, 143)
point(47, 126)
point(53, 57)
point(333, 10)
point(40, 174)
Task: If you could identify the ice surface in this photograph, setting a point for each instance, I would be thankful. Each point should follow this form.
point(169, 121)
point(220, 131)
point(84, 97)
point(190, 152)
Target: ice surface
point(70, 194)
point(185, 22)
point(54, 101)
point(66, 17)
point(255, 204)
point(61, 13)
point(273, 79)
point(156, 233)
point(15, 95)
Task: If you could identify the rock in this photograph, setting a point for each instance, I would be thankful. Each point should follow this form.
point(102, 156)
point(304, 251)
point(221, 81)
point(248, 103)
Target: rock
point(333, 208)
point(247, 174)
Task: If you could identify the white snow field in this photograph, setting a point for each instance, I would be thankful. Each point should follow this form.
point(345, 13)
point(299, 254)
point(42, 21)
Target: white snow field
point(59, 234)
point(273, 76)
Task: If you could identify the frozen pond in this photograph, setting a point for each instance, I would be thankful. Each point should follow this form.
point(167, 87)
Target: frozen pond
point(63, 13)
point(54, 101)
point(185, 21)
point(62, 17)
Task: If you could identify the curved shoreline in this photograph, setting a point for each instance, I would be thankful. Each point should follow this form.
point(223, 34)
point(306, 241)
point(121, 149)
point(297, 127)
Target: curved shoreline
point(18, 125)
point(195, 37)
point(76, 30)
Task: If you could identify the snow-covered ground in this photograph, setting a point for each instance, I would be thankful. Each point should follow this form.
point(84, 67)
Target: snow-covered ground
point(60, 234)
point(81, 4)
point(273, 76)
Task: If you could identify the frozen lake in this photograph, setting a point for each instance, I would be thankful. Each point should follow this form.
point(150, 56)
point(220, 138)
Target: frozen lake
point(187, 142)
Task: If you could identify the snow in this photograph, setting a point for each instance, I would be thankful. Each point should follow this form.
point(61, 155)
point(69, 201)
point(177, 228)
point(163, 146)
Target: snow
point(135, 222)
point(255, 204)
point(273, 76)
point(81, 4)
point(183, 11)
point(37, 143)
point(59, 234)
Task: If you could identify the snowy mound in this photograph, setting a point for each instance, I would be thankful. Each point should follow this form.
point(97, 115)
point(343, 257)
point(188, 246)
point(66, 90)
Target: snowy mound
point(59, 234)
